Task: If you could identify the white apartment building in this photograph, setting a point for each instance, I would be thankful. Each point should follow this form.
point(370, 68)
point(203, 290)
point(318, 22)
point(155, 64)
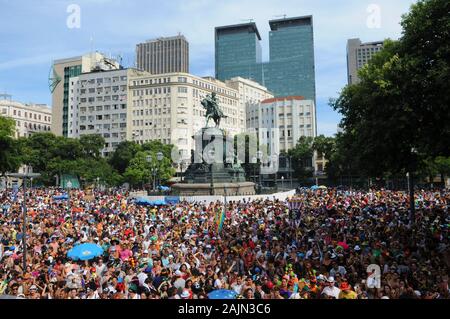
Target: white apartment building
point(29, 118)
point(167, 107)
point(62, 72)
point(250, 93)
point(98, 104)
point(280, 122)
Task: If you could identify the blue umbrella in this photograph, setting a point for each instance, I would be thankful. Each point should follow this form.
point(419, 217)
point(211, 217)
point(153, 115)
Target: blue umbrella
point(143, 201)
point(85, 252)
point(314, 188)
point(222, 294)
point(159, 202)
point(61, 197)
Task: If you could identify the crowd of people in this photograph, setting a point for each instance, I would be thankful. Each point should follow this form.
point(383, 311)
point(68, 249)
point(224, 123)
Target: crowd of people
point(324, 244)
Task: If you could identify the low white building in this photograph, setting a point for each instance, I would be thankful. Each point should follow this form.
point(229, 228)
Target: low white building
point(280, 122)
point(29, 118)
point(250, 93)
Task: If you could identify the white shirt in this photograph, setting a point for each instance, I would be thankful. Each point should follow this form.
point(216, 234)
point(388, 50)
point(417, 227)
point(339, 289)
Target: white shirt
point(100, 269)
point(331, 291)
point(94, 296)
point(218, 283)
point(237, 288)
point(142, 277)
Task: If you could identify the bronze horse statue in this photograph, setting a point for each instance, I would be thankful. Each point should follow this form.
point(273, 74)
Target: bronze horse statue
point(212, 110)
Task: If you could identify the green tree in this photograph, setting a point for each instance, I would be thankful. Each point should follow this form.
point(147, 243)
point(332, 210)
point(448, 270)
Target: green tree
point(397, 116)
point(92, 145)
point(155, 147)
point(10, 157)
point(140, 171)
point(425, 74)
point(324, 145)
point(442, 165)
point(302, 155)
point(123, 154)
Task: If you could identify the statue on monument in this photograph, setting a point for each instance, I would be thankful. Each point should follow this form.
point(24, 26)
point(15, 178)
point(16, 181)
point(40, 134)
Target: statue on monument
point(212, 109)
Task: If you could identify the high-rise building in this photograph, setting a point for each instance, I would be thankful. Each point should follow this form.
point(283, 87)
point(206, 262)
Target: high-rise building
point(63, 71)
point(163, 55)
point(29, 118)
point(358, 55)
point(280, 122)
point(238, 51)
point(290, 71)
point(98, 103)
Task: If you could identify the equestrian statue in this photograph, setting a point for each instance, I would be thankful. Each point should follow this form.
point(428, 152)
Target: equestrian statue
point(212, 109)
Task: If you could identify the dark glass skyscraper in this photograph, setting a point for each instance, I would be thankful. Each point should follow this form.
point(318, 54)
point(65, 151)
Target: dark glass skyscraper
point(290, 71)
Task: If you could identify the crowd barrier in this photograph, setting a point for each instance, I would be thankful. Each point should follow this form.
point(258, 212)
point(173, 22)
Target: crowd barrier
point(208, 199)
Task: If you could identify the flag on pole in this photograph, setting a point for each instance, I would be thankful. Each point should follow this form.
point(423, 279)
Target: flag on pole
point(220, 218)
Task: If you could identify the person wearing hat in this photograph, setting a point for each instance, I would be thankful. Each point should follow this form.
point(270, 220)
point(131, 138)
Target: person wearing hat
point(331, 291)
point(347, 292)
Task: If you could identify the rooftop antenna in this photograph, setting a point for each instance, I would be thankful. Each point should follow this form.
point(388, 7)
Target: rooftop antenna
point(281, 16)
point(248, 20)
point(92, 51)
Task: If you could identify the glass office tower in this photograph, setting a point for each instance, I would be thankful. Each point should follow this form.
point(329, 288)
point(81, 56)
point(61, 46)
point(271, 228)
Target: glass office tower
point(238, 51)
point(290, 71)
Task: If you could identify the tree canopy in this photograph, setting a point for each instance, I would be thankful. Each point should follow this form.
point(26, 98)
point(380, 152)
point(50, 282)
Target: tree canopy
point(397, 116)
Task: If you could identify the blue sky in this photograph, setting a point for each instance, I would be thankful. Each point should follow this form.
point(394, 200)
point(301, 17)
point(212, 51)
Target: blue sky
point(34, 32)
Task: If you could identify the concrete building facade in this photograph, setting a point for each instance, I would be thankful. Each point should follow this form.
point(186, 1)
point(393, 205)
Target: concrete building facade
point(250, 93)
point(98, 103)
point(167, 107)
point(280, 122)
point(29, 118)
point(163, 55)
point(358, 55)
point(62, 71)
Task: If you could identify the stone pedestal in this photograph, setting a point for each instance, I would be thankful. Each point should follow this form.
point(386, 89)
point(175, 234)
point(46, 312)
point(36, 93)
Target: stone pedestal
point(211, 175)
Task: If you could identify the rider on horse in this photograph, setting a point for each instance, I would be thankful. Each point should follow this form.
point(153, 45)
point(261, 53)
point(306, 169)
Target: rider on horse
point(212, 109)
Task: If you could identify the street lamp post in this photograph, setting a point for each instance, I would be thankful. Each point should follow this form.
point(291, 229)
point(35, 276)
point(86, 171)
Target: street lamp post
point(290, 171)
point(254, 162)
point(159, 157)
point(154, 170)
point(259, 156)
point(24, 178)
point(149, 161)
point(412, 203)
point(282, 183)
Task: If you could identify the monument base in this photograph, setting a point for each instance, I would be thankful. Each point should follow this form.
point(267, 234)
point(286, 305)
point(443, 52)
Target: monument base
point(219, 189)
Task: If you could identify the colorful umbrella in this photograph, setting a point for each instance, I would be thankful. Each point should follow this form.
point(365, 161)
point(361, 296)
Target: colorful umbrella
point(222, 294)
point(85, 252)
